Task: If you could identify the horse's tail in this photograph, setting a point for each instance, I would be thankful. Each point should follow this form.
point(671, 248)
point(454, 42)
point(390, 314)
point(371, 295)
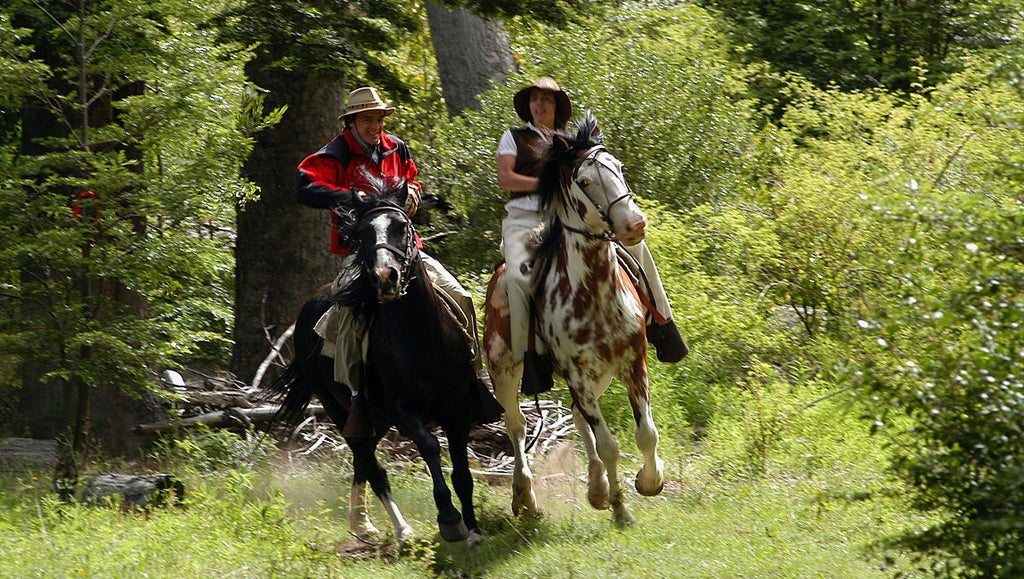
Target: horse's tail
point(297, 391)
point(295, 382)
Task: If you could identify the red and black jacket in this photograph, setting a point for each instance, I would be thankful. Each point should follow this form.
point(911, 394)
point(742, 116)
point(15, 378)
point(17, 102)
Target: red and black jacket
point(326, 177)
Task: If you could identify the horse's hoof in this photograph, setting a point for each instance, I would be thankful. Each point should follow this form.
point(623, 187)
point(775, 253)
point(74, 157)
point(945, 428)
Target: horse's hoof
point(359, 524)
point(650, 481)
point(524, 502)
point(474, 539)
point(599, 501)
point(597, 488)
point(651, 491)
point(403, 535)
point(452, 532)
point(624, 518)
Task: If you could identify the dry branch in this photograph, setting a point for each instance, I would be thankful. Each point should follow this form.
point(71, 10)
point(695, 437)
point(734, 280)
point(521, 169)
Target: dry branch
point(240, 417)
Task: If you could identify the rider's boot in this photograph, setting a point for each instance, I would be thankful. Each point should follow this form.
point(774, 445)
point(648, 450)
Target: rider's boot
point(667, 341)
point(486, 408)
point(537, 373)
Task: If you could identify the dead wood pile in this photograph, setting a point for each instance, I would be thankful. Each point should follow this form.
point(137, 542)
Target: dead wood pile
point(223, 403)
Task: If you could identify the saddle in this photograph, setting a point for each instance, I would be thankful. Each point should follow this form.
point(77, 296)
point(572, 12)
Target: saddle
point(662, 333)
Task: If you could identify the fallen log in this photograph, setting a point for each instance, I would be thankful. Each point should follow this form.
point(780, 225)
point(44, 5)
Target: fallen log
point(23, 455)
point(239, 417)
point(217, 399)
point(131, 491)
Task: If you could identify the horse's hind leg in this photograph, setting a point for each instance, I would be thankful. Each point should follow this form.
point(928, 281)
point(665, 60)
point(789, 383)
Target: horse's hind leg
point(651, 479)
point(449, 520)
point(597, 476)
point(368, 469)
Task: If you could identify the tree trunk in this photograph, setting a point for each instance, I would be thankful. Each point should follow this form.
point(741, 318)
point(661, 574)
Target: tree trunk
point(471, 54)
point(282, 252)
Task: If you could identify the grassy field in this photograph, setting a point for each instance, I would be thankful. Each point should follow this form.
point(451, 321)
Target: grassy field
point(287, 519)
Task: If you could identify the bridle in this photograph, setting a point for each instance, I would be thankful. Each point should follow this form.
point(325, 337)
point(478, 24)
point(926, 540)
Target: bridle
point(407, 255)
point(592, 157)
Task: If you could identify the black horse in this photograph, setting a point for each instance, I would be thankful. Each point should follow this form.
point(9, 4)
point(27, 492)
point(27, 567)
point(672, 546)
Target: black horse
point(418, 373)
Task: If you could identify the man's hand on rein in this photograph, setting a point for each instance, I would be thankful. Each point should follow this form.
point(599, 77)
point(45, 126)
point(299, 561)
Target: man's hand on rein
point(412, 201)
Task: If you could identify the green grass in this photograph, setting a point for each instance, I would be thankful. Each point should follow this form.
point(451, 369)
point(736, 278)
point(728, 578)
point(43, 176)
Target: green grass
point(289, 521)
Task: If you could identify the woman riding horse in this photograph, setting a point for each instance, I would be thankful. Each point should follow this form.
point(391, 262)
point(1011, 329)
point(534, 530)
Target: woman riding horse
point(589, 314)
point(546, 108)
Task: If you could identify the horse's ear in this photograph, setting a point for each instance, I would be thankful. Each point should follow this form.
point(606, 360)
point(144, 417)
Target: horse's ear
point(559, 144)
point(399, 191)
point(360, 199)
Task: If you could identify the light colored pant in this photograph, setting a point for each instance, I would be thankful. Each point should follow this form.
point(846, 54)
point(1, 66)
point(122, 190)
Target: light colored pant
point(518, 232)
point(642, 254)
point(345, 333)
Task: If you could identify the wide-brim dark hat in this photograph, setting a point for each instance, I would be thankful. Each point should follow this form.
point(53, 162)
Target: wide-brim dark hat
point(563, 108)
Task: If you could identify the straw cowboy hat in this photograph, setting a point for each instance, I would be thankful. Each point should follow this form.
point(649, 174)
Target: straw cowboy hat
point(563, 108)
point(365, 99)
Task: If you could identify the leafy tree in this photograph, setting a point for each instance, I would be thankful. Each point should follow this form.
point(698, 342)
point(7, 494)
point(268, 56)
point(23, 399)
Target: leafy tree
point(859, 45)
point(126, 101)
point(898, 221)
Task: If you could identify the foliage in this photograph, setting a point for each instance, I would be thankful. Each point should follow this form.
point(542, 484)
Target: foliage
point(683, 143)
point(143, 276)
point(329, 41)
point(860, 45)
point(910, 229)
point(203, 449)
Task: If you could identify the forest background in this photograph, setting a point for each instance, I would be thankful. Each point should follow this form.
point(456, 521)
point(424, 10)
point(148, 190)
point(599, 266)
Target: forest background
point(834, 191)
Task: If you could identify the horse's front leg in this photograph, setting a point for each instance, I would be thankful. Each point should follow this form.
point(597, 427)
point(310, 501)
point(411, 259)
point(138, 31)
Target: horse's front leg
point(597, 476)
point(449, 519)
point(506, 389)
point(585, 399)
point(367, 469)
point(462, 480)
point(651, 479)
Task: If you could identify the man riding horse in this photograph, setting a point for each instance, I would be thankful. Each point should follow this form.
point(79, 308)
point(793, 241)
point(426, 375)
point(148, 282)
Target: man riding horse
point(329, 179)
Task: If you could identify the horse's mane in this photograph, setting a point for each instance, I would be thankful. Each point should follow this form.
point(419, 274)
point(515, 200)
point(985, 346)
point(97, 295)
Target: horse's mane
point(559, 158)
point(558, 161)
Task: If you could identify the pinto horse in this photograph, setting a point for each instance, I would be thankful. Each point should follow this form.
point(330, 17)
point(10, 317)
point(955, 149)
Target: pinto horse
point(589, 315)
point(418, 371)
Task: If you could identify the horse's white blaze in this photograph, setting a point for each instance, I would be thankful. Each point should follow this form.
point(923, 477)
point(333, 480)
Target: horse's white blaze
point(600, 179)
point(387, 264)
